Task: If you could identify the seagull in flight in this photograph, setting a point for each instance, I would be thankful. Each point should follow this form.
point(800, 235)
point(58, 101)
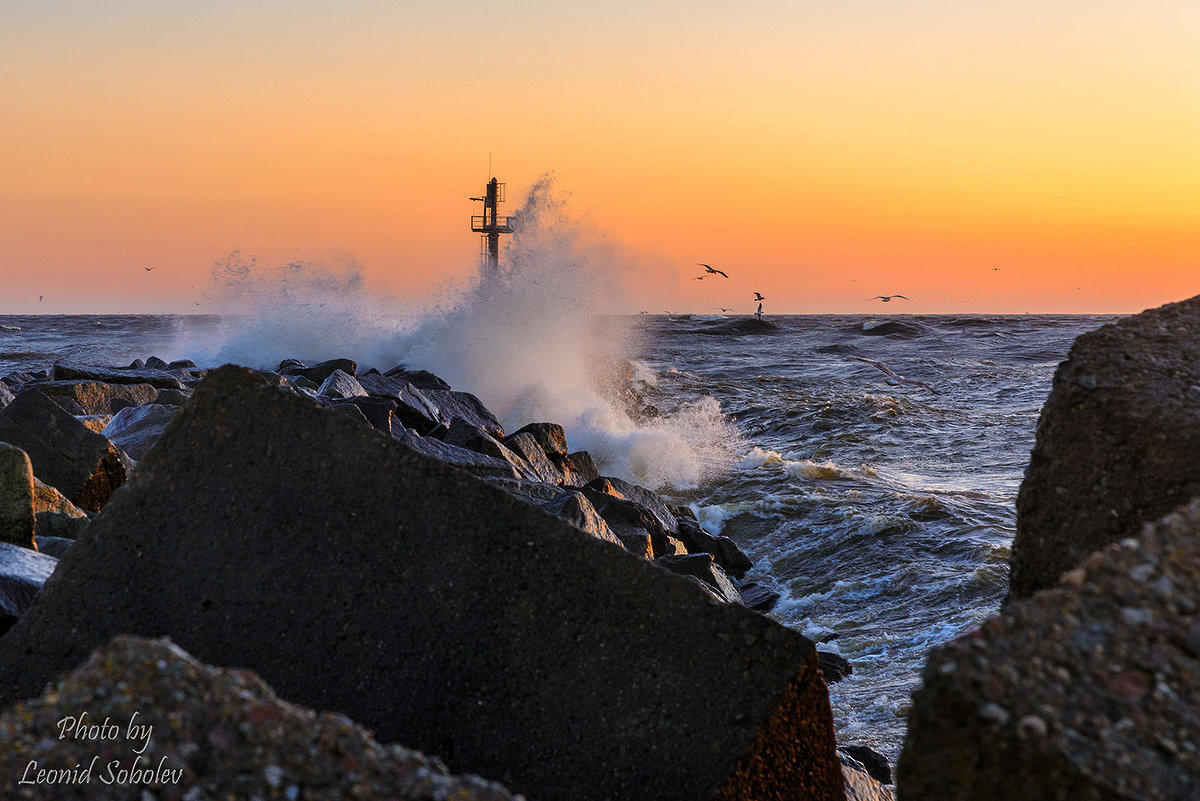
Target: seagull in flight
point(722, 308)
point(894, 378)
point(710, 270)
point(148, 269)
point(758, 296)
point(887, 298)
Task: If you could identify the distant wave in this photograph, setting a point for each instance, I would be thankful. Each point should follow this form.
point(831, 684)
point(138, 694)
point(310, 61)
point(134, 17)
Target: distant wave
point(746, 325)
point(896, 328)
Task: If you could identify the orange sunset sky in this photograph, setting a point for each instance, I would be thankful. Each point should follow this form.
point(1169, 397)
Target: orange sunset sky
point(820, 151)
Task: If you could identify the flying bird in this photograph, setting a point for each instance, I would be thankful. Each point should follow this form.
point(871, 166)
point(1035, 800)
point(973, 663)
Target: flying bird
point(758, 296)
point(708, 269)
point(148, 269)
point(699, 277)
point(894, 378)
point(722, 308)
point(887, 298)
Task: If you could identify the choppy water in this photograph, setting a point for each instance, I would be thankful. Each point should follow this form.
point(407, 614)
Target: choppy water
point(882, 514)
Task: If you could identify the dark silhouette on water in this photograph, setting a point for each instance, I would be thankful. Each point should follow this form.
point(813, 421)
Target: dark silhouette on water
point(758, 314)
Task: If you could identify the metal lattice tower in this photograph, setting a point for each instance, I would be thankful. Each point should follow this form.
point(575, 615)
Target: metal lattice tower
point(491, 225)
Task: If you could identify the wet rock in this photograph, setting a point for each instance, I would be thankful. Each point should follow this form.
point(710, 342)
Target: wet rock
point(861, 784)
point(135, 429)
point(701, 566)
point(412, 410)
point(47, 499)
point(160, 379)
point(619, 488)
point(6, 395)
point(578, 468)
point(95, 422)
point(757, 597)
point(378, 412)
point(23, 571)
point(450, 404)
point(155, 363)
point(16, 497)
point(875, 764)
point(223, 733)
point(341, 385)
point(319, 372)
point(96, 397)
point(577, 510)
point(1065, 694)
point(1114, 451)
point(473, 462)
point(550, 437)
point(534, 493)
point(524, 444)
point(53, 546)
point(172, 397)
point(236, 539)
point(59, 525)
point(420, 379)
point(726, 552)
point(81, 464)
point(834, 667)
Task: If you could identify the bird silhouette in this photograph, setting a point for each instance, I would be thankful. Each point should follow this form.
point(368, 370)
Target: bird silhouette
point(758, 296)
point(887, 298)
point(722, 308)
point(708, 269)
point(894, 378)
point(148, 269)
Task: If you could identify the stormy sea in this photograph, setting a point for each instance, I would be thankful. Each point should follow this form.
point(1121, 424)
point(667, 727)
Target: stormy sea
point(880, 508)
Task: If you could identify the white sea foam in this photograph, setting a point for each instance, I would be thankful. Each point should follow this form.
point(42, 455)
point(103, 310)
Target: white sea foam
point(528, 340)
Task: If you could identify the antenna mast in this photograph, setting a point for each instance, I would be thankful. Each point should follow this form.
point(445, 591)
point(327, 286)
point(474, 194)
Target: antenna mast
point(491, 225)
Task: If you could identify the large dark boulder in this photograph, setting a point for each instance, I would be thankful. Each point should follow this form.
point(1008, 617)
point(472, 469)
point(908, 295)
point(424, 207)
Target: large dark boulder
point(1118, 443)
point(216, 733)
point(359, 576)
point(81, 464)
point(1088, 691)
point(318, 372)
point(134, 429)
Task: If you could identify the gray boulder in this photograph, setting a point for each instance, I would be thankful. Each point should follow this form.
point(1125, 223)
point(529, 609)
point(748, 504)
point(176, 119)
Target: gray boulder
point(577, 510)
point(478, 464)
point(23, 571)
point(451, 616)
point(17, 521)
point(413, 410)
point(702, 567)
point(341, 385)
point(1118, 442)
point(578, 469)
point(136, 428)
point(53, 546)
point(6, 395)
point(451, 404)
point(726, 552)
point(318, 372)
point(524, 444)
point(420, 379)
point(110, 375)
point(1090, 690)
point(550, 437)
point(217, 733)
point(83, 465)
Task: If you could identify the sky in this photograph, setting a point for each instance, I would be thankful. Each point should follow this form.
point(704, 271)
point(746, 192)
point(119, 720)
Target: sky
point(983, 157)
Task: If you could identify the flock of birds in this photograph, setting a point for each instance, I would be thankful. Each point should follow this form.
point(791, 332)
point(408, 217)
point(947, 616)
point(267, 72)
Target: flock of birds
point(892, 377)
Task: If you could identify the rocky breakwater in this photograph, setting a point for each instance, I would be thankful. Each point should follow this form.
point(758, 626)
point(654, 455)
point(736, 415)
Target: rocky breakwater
point(1118, 443)
point(345, 555)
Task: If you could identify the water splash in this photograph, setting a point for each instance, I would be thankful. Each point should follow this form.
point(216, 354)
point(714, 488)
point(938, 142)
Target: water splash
point(538, 340)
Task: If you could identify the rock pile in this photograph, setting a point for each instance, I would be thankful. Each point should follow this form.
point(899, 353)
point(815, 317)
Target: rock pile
point(324, 549)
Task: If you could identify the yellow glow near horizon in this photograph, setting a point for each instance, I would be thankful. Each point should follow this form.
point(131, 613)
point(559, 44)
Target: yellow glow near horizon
point(801, 144)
